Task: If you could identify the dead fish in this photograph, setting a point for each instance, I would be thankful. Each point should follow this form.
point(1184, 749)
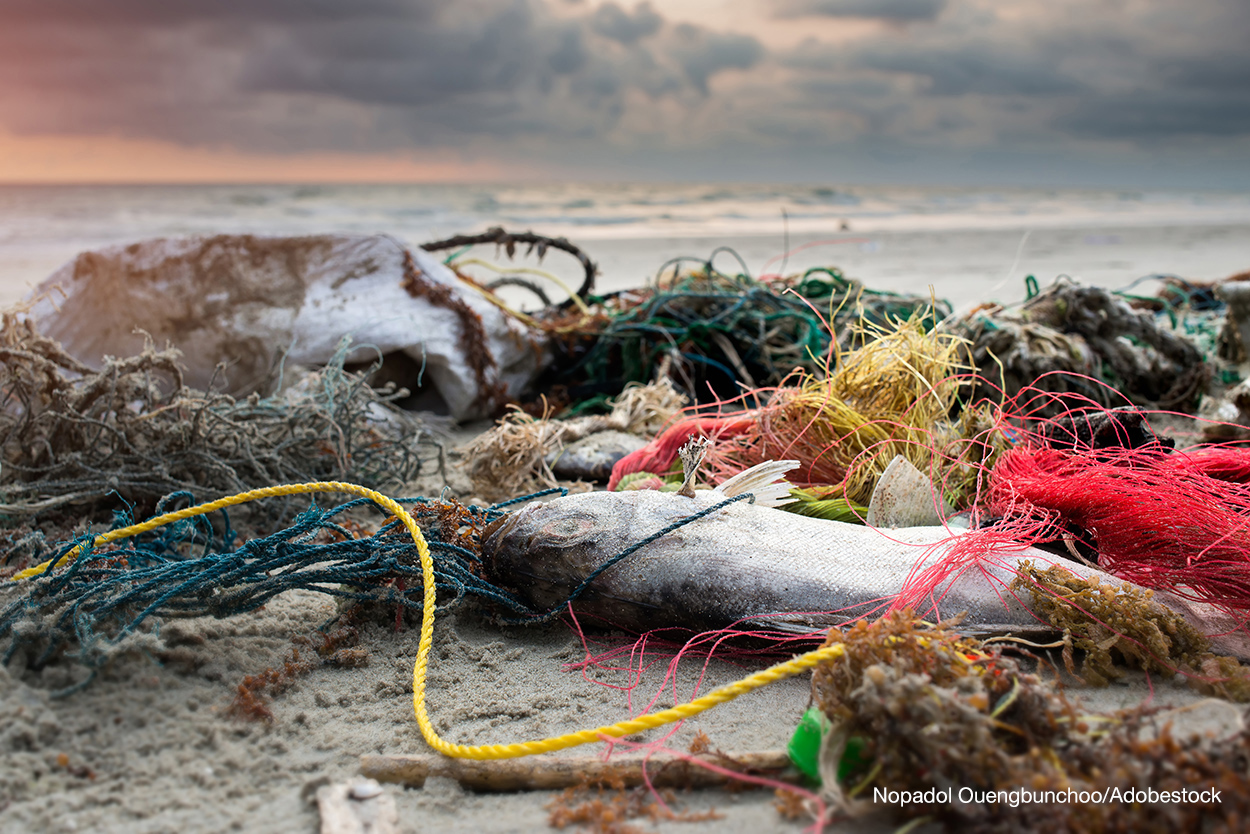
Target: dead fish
point(756, 566)
point(592, 458)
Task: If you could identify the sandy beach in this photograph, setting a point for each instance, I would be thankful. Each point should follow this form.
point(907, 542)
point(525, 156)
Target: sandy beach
point(957, 274)
point(150, 745)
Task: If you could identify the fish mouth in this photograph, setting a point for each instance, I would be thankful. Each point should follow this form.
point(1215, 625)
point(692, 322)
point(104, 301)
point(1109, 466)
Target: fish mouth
point(494, 533)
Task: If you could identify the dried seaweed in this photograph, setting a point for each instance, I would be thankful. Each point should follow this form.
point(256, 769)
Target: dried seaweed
point(1125, 624)
point(607, 808)
point(333, 648)
point(511, 458)
point(941, 713)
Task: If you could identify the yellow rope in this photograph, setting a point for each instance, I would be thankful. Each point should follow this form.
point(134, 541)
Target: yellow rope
point(421, 664)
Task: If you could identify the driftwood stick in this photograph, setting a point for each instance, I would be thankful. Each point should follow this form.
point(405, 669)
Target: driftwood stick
point(556, 772)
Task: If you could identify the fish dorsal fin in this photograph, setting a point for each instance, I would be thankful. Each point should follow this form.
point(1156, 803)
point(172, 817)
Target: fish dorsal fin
point(764, 480)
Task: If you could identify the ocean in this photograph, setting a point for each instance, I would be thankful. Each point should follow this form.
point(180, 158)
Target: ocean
point(970, 244)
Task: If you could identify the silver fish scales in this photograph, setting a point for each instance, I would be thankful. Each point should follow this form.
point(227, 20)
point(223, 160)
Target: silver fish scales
point(760, 567)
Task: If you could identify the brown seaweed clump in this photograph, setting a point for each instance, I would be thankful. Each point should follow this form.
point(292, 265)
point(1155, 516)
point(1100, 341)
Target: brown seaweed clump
point(1125, 624)
point(999, 749)
point(335, 648)
point(607, 808)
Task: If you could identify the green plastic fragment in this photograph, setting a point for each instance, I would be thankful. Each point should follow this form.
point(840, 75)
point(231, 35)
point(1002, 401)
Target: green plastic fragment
point(804, 746)
point(852, 758)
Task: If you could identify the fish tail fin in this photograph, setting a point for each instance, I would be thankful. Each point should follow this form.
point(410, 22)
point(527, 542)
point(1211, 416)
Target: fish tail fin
point(764, 480)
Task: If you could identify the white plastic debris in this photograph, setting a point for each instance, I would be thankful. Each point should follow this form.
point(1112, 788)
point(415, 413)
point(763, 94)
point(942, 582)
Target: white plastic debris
point(263, 305)
point(905, 497)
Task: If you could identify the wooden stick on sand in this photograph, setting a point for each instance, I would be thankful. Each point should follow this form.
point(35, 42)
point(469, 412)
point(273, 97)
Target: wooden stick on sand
point(557, 772)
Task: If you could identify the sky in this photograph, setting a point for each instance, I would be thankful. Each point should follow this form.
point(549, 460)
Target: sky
point(1137, 93)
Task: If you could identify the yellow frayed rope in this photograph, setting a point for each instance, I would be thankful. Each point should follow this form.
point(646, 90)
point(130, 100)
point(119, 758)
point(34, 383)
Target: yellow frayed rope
point(421, 664)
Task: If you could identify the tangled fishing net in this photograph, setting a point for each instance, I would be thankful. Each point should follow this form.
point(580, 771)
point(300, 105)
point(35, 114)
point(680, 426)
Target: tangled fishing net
point(894, 395)
point(723, 332)
point(1089, 342)
point(1172, 521)
point(109, 598)
point(71, 435)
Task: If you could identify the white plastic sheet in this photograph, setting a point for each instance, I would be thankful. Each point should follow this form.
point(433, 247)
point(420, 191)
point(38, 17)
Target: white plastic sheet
point(250, 301)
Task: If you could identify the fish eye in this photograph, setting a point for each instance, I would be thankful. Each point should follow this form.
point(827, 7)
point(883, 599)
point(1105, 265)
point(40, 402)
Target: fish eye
point(566, 528)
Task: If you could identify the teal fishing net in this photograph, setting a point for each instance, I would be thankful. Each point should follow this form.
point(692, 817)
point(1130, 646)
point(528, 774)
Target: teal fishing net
point(195, 568)
point(723, 332)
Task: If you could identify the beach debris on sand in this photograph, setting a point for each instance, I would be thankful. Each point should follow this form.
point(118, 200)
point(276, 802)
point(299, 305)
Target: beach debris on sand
point(523, 453)
point(921, 709)
point(882, 420)
point(70, 435)
point(722, 332)
point(261, 306)
point(1087, 342)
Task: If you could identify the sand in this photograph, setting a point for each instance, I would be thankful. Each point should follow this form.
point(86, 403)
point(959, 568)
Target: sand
point(149, 746)
point(164, 756)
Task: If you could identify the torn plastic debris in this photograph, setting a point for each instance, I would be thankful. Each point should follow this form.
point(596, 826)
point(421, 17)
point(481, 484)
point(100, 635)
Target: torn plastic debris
point(258, 304)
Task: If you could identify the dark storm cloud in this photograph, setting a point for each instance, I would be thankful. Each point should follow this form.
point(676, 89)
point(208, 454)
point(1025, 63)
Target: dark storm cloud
point(1139, 71)
point(1152, 118)
point(702, 54)
point(612, 22)
point(280, 73)
point(898, 10)
point(370, 75)
point(978, 68)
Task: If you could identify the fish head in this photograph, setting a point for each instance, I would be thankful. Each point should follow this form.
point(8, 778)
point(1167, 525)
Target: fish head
point(544, 551)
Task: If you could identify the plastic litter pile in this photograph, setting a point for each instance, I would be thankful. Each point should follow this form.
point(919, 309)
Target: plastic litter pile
point(1008, 423)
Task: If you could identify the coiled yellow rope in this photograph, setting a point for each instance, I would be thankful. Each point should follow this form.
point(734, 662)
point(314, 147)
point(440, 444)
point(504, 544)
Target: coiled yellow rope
point(420, 665)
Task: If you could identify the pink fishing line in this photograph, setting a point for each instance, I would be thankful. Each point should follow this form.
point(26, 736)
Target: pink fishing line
point(1160, 521)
